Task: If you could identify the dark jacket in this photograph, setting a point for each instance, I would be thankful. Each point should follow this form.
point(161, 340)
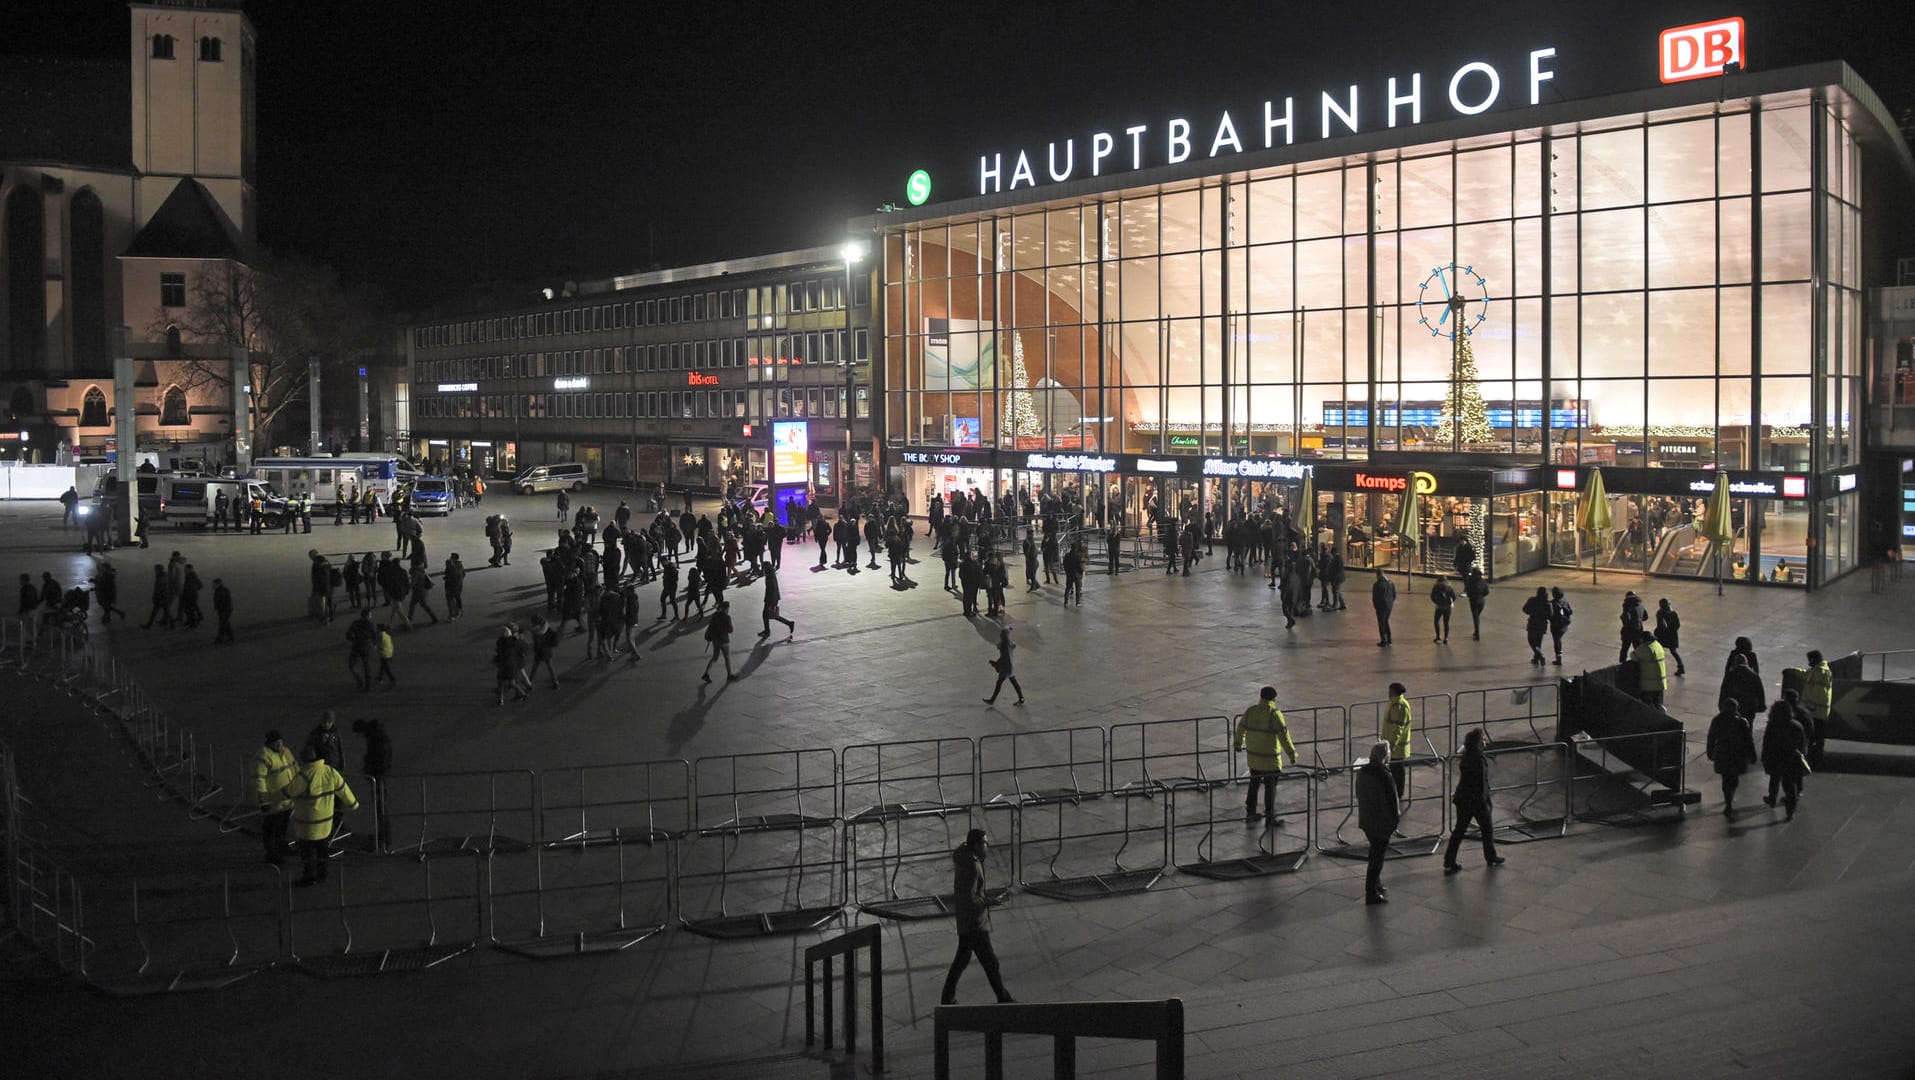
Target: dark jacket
point(1669, 628)
point(378, 760)
point(1746, 688)
point(1783, 743)
point(1536, 610)
point(1383, 594)
point(1472, 781)
point(1731, 744)
point(325, 742)
point(1377, 812)
point(968, 890)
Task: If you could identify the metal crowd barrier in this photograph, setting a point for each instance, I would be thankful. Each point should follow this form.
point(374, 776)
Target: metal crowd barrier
point(1509, 715)
point(183, 933)
point(1425, 810)
point(605, 885)
point(1191, 764)
point(1060, 778)
point(1538, 779)
point(1628, 779)
point(461, 811)
point(915, 797)
point(767, 840)
point(1065, 1022)
point(868, 937)
point(378, 915)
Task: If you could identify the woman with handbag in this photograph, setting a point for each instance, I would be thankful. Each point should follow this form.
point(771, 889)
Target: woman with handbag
point(1003, 666)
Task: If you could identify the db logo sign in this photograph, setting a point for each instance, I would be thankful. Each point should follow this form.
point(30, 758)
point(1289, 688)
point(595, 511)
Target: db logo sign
point(1699, 50)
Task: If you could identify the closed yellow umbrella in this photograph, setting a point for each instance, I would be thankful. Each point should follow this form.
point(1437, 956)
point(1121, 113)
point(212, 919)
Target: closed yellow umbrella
point(1718, 524)
point(1409, 524)
point(1593, 516)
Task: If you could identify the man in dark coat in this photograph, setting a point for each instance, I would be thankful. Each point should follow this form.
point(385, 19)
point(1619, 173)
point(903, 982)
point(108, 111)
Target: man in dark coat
point(1742, 685)
point(223, 608)
point(1383, 600)
point(974, 904)
point(971, 579)
point(1377, 815)
point(1476, 591)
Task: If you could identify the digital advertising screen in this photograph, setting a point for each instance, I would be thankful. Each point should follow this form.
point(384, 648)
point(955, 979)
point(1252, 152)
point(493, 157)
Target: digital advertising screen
point(790, 451)
point(964, 431)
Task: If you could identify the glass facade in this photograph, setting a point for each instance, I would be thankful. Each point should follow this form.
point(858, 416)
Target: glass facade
point(1680, 289)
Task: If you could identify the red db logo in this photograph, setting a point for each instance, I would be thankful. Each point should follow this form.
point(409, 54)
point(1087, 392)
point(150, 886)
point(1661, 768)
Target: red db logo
point(1699, 50)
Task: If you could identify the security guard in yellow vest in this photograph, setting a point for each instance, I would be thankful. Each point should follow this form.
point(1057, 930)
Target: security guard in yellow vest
point(1264, 738)
point(1653, 664)
point(1818, 696)
point(273, 767)
point(1396, 732)
point(314, 793)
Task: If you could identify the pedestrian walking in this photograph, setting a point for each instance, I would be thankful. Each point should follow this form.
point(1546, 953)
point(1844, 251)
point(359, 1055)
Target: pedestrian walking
point(69, 502)
point(384, 638)
point(1632, 619)
point(316, 793)
point(508, 664)
point(821, 532)
point(1745, 649)
point(1559, 616)
point(545, 645)
point(1471, 799)
point(454, 578)
point(1476, 591)
point(1744, 686)
point(1669, 633)
point(668, 590)
point(1264, 739)
point(1444, 598)
point(419, 593)
point(1536, 624)
point(273, 767)
point(564, 503)
point(1785, 747)
point(362, 640)
point(974, 903)
point(1731, 747)
point(223, 610)
point(376, 765)
point(773, 594)
point(162, 600)
point(106, 590)
point(1378, 816)
point(1113, 538)
point(1383, 600)
point(319, 600)
point(718, 634)
point(1004, 668)
point(1030, 564)
point(1074, 575)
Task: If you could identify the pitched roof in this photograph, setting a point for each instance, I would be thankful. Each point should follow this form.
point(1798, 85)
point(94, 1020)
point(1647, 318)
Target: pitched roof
point(188, 225)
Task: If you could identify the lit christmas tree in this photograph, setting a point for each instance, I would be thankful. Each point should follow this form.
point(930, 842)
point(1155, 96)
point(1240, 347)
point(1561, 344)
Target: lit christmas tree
point(1465, 399)
point(1020, 412)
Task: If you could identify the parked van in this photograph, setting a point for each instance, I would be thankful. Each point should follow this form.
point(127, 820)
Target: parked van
point(190, 499)
point(152, 502)
point(537, 478)
point(430, 495)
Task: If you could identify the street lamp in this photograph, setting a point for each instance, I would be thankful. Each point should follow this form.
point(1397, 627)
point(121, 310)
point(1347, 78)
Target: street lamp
point(853, 253)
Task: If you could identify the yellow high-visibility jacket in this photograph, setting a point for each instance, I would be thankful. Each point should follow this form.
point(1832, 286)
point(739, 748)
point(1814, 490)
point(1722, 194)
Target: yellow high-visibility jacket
point(272, 771)
point(1396, 728)
point(313, 793)
point(1261, 732)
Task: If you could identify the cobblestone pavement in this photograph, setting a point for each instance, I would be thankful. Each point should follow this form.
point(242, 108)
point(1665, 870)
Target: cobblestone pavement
point(1688, 945)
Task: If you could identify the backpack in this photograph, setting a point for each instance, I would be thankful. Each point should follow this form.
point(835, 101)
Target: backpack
point(335, 577)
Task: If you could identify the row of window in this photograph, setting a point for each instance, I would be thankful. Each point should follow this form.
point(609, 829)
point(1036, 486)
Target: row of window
point(174, 411)
point(797, 297)
point(824, 402)
point(816, 348)
point(209, 52)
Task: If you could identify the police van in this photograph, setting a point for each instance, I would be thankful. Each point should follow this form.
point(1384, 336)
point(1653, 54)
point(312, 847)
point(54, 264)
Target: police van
point(190, 499)
point(323, 478)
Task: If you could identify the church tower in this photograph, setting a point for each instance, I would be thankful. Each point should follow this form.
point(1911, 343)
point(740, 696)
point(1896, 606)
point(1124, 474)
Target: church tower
point(193, 106)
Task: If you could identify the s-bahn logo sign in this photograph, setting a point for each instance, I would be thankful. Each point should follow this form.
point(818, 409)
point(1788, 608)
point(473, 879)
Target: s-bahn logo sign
point(1475, 87)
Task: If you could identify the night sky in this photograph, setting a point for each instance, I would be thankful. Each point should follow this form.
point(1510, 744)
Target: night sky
point(424, 146)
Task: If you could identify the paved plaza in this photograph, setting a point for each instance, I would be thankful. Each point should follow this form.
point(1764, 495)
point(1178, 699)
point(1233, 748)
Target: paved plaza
point(1711, 946)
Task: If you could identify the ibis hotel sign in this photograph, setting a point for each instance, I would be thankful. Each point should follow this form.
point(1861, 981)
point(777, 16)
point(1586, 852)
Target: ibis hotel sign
point(1397, 101)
